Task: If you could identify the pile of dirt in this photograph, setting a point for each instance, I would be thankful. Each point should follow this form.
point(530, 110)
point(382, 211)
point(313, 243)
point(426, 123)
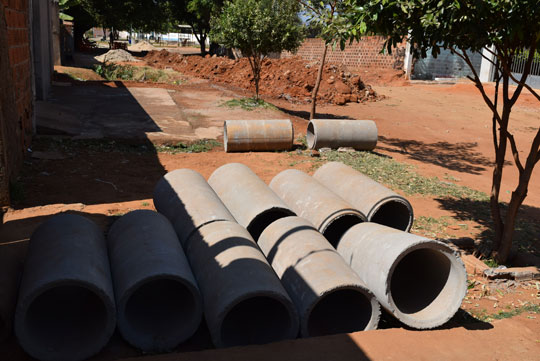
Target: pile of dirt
point(292, 78)
point(116, 56)
point(142, 46)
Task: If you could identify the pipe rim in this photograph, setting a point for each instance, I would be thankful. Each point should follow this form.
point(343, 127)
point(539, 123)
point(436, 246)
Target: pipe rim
point(338, 216)
point(102, 336)
point(451, 301)
point(225, 136)
point(311, 135)
point(292, 327)
point(256, 227)
point(190, 327)
point(375, 308)
point(388, 200)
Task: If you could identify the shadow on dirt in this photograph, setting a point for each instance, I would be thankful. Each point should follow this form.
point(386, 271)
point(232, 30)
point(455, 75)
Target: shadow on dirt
point(305, 114)
point(527, 231)
point(460, 157)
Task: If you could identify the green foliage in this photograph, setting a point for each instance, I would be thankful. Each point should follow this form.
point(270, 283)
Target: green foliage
point(329, 18)
point(248, 104)
point(201, 146)
point(258, 28)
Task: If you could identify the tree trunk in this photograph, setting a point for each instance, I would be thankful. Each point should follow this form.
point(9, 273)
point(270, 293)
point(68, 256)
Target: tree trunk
point(202, 41)
point(317, 84)
point(257, 75)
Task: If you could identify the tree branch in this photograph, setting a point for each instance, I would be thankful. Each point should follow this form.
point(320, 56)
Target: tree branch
point(514, 151)
point(526, 72)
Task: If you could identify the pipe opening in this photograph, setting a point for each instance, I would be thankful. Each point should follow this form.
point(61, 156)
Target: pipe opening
point(67, 319)
point(394, 214)
point(339, 226)
point(423, 283)
point(256, 320)
point(310, 136)
point(341, 311)
point(162, 309)
point(263, 220)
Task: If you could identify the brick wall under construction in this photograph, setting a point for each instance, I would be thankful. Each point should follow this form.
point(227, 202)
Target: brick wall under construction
point(16, 96)
point(360, 55)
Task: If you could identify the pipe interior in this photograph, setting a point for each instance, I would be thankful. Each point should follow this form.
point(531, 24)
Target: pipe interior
point(423, 283)
point(310, 136)
point(341, 311)
point(67, 319)
point(162, 309)
point(339, 226)
point(263, 220)
point(256, 320)
point(393, 214)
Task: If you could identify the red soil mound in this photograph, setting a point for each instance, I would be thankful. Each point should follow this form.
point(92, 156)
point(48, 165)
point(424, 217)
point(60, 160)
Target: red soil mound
point(292, 78)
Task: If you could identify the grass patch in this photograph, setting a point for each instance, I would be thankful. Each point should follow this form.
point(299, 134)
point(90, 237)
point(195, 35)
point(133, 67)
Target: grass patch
point(201, 146)
point(482, 315)
point(248, 104)
point(431, 227)
point(402, 176)
point(114, 72)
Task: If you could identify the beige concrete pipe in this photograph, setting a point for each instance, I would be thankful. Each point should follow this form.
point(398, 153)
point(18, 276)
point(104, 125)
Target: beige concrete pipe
point(258, 135)
point(335, 133)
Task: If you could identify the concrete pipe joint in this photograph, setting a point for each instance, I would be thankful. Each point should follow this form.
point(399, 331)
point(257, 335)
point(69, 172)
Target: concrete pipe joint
point(380, 204)
point(188, 201)
point(253, 204)
point(258, 135)
point(66, 308)
point(309, 199)
point(244, 302)
point(329, 296)
point(335, 133)
point(158, 301)
point(420, 281)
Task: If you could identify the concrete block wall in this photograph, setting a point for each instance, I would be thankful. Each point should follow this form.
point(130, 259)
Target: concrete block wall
point(363, 54)
point(16, 95)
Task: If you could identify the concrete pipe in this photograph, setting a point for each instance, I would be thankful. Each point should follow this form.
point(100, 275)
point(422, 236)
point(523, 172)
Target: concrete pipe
point(66, 308)
point(12, 255)
point(188, 201)
point(258, 135)
point(420, 281)
point(335, 133)
point(329, 296)
point(378, 203)
point(311, 200)
point(253, 204)
point(244, 302)
point(158, 301)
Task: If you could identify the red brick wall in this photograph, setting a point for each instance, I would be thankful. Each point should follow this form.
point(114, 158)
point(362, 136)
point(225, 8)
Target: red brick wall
point(17, 97)
point(362, 54)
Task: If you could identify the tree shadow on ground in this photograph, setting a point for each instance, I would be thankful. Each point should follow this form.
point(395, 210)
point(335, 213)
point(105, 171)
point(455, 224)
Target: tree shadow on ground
point(527, 230)
point(304, 114)
point(460, 157)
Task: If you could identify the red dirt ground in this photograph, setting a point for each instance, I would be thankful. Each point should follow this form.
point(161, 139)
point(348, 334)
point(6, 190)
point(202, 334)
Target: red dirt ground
point(291, 78)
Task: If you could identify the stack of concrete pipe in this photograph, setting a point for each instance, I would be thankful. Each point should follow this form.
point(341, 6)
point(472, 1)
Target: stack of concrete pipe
point(244, 301)
point(258, 135)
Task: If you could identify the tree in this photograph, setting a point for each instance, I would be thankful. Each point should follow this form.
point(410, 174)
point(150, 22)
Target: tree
point(327, 16)
point(504, 29)
point(258, 28)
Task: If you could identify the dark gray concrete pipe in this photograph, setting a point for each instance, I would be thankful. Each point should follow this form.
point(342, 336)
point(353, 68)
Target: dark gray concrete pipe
point(421, 282)
point(329, 296)
point(380, 204)
point(66, 308)
point(158, 301)
point(335, 133)
point(313, 201)
point(248, 198)
point(258, 135)
point(188, 201)
point(244, 302)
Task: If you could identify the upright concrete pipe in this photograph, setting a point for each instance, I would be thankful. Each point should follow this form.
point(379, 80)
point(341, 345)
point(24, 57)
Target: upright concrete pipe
point(188, 201)
point(258, 135)
point(248, 198)
point(309, 199)
point(380, 204)
point(66, 308)
point(420, 281)
point(244, 302)
point(335, 133)
point(329, 296)
point(158, 301)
